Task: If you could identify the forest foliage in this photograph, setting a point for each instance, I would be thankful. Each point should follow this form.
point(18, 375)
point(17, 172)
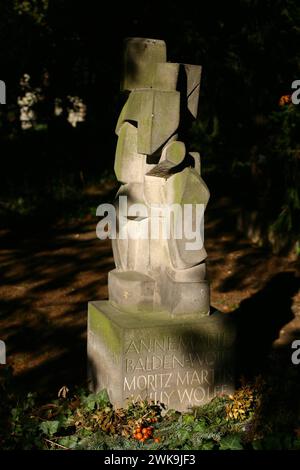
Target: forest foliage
point(248, 139)
point(88, 421)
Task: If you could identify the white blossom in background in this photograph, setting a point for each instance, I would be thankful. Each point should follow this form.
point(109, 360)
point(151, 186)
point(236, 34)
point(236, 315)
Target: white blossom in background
point(25, 81)
point(27, 114)
point(27, 101)
point(58, 107)
point(76, 110)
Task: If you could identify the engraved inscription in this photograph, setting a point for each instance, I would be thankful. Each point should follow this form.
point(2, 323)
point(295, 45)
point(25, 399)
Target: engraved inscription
point(172, 369)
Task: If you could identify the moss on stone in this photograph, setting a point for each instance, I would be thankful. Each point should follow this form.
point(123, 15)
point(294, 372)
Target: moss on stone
point(104, 327)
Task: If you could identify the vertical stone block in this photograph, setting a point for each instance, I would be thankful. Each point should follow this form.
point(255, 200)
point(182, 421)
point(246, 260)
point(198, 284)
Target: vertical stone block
point(140, 58)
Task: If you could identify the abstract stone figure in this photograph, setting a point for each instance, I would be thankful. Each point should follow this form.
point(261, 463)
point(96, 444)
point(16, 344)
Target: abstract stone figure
point(155, 337)
point(165, 271)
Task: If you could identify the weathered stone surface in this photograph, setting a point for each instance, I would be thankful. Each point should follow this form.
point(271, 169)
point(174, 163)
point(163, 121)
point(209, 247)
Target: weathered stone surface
point(153, 163)
point(140, 58)
point(194, 274)
point(177, 290)
point(166, 76)
point(189, 190)
point(185, 78)
point(178, 273)
point(186, 296)
point(174, 152)
point(146, 66)
point(154, 338)
point(193, 73)
point(131, 290)
point(197, 161)
point(157, 115)
point(180, 361)
point(129, 164)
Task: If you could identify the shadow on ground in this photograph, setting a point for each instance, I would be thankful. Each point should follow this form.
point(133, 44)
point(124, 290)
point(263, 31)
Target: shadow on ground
point(47, 277)
point(46, 281)
point(259, 321)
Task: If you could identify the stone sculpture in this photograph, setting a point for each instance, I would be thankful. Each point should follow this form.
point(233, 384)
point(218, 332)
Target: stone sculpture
point(157, 170)
point(155, 337)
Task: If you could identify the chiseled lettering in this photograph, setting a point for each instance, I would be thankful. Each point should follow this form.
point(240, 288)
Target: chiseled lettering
point(167, 396)
point(129, 386)
point(148, 382)
point(167, 380)
point(182, 380)
point(132, 348)
point(199, 394)
point(185, 395)
point(195, 378)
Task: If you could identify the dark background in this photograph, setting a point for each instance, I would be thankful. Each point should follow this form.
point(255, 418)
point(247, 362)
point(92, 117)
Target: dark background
point(249, 144)
point(53, 175)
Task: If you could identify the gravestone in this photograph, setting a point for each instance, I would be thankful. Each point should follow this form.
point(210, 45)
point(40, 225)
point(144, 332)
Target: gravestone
point(155, 338)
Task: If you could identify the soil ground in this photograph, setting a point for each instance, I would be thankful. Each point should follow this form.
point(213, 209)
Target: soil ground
point(48, 275)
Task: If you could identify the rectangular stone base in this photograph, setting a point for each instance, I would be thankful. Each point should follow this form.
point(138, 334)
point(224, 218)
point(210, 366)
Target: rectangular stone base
point(179, 361)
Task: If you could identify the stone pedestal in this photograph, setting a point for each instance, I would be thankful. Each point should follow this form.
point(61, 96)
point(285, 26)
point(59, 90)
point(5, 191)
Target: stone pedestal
point(180, 361)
